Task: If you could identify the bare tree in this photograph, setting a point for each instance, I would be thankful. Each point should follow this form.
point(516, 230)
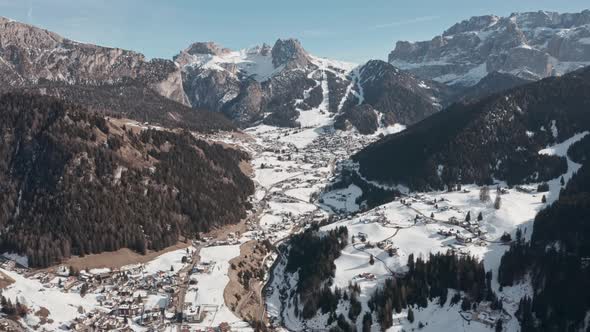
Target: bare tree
point(498, 202)
point(484, 194)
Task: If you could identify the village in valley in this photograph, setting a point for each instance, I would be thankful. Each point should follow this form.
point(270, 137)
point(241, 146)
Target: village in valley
point(182, 289)
point(294, 170)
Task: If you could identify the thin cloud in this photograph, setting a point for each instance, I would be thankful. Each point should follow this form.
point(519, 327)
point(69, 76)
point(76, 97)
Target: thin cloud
point(30, 12)
point(405, 22)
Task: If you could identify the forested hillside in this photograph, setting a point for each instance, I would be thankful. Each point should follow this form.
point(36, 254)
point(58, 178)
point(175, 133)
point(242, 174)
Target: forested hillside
point(557, 257)
point(495, 138)
point(67, 175)
point(134, 100)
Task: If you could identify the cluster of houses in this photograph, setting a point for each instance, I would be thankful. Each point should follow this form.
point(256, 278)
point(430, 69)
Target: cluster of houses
point(126, 296)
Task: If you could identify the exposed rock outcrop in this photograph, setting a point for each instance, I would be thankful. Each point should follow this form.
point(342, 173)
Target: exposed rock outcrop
point(531, 45)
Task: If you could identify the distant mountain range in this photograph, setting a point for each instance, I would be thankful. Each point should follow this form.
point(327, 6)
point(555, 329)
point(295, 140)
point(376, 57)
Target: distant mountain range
point(530, 45)
point(274, 84)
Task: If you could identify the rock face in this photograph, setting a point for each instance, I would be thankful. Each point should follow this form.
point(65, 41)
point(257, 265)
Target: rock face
point(30, 55)
point(274, 85)
point(289, 53)
point(531, 45)
point(264, 84)
point(248, 85)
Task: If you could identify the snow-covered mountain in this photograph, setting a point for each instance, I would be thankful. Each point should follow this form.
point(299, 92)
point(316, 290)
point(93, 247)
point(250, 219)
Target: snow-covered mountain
point(532, 45)
point(439, 254)
point(276, 84)
point(383, 95)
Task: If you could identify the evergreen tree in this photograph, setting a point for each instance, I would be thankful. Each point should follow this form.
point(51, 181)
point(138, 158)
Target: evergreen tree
point(543, 199)
point(479, 217)
point(498, 327)
point(367, 322)
point(411, 263)
point(468, 216)
point(410, 315)
point(466, 304)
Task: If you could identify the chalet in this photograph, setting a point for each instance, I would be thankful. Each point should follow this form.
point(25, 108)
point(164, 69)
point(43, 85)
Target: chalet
point(127, 310)
point(462, 238)
point(445, 232)
point(62, 271)
point(523, 189)
point(385, 244)
point(193, 314)
point(362, 236)
point(366, 276)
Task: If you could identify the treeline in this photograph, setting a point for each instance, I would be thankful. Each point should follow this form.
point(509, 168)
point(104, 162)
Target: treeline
point(557, 259)
point(312, 255)
point(72, 183)
point(13, 310)
point(427, 280)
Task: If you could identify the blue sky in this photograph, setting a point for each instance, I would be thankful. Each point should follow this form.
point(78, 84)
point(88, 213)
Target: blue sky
point(347, 30)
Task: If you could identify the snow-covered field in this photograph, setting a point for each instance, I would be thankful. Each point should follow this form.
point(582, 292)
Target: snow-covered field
point(63, 307)
point(208, 293)
point(428, 223)
point(168, 262)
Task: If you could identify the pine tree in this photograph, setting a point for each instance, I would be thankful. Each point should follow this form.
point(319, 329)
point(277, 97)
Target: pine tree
point(371, 260)
point(562, 181)
point(410, 315)
point(479, 217)
point(468, 216)
point(466, 304)
point(411, 263)
point(367, 322)
point(498, 327)
point(544, 199)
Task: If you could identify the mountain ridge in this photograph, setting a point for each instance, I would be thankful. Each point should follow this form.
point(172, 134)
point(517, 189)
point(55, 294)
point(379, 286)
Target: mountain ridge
point(530, 44)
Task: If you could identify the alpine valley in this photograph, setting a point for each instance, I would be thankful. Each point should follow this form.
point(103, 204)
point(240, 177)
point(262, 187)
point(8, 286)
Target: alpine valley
point(269, 189)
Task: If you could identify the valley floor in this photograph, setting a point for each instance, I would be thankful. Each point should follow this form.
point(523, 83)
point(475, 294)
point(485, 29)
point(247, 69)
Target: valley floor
point(291, 168)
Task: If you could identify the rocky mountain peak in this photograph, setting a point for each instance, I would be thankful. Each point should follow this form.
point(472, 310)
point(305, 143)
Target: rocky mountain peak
point(29, 55)
point(290, 53)
point(472, 24)
point(21, 34)
point(263, 50)
point(209, 47)
point(530, 44)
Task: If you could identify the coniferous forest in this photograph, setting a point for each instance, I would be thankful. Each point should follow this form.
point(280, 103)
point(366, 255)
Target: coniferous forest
point(312, 256)
point(429, 280)
point(68, 175)
point(557, 258)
